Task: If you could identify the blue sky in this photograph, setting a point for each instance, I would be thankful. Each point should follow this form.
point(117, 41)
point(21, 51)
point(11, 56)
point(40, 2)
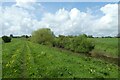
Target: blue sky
point(52, 7)
point(82, 6)
point(76, 16)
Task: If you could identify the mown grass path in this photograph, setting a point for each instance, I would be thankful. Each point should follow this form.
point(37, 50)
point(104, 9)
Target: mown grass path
point(23, 59)
point(11, 59)
point(18, 62)
point(28, 67)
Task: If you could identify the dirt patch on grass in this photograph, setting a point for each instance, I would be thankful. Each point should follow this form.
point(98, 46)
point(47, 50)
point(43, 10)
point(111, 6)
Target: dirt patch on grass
point(95, 54)
point(104, 56)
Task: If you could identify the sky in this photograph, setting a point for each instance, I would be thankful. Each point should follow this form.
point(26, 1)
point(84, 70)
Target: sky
point(22, 17)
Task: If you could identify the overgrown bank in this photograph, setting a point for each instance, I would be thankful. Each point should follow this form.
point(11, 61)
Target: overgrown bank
point(78, 43)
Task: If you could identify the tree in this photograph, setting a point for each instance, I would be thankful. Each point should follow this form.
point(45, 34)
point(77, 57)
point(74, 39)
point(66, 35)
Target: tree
point(43, 36)
point(26, 36)
point(83, 35)
point(11, 35)
point(6, 39)
point(90, 36)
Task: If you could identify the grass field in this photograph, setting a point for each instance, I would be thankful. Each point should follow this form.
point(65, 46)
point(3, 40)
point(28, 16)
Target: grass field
point(0, 58)
point(106, 46)
point(23, 59)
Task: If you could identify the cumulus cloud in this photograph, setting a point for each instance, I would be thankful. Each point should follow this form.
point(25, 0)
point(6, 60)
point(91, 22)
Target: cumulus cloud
point(25, 3)
point(67, 22)
point(108, 24)
point(75, 22)
point(18, 21)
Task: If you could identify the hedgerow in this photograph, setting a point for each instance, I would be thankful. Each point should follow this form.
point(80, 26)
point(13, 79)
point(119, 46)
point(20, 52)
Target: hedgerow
point(78, 44)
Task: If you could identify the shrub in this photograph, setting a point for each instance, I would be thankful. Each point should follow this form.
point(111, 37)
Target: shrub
point(78, 44)
point(82, 44)
point(6, 39)
point(61, 42)
point(43, 36)
point(56, 42)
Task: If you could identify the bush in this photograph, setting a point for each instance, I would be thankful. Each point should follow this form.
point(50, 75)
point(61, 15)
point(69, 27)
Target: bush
point(6, 39)
point(78, 44)
point(82, 44)
point(43, 36)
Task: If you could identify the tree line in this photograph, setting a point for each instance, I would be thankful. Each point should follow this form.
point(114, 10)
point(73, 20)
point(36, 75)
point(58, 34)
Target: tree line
point(45, 36)
point(7, 39)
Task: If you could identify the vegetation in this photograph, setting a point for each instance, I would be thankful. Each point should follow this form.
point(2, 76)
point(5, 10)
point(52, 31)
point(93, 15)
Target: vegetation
point(6, 39)
point(24, 59)
point(78, 44)
point(11, 35)
point(0, 57)
point(43, 36)
point(106, 46)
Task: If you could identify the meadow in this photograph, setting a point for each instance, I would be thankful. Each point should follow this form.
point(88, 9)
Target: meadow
point(24, 59)
point(106, 46)
point(0, 58)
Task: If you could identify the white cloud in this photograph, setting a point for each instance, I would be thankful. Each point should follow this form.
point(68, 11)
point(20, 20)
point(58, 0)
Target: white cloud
point(77, 22)
point(67, 22)
point(17, 20)
point(23, 3)
point(26, 4)
point(108, 24)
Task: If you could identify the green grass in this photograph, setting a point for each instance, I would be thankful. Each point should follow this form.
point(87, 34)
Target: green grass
point(23, 59)
point(0, 58)
point(106, 46)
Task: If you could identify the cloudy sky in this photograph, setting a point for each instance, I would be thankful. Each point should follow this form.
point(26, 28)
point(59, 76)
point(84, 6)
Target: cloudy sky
point(65, 18)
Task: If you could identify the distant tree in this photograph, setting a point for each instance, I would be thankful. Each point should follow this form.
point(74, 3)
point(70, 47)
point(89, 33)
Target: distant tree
point(102, 37)
point(26, 36)
point(43, 36)
point(6, 39)
point(11, 35)
point(23, 36)
point(82, 35)
point(108, 37)
point(90, 36)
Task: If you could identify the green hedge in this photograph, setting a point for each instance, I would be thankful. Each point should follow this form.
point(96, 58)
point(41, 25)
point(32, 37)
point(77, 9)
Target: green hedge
point(76, 44)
